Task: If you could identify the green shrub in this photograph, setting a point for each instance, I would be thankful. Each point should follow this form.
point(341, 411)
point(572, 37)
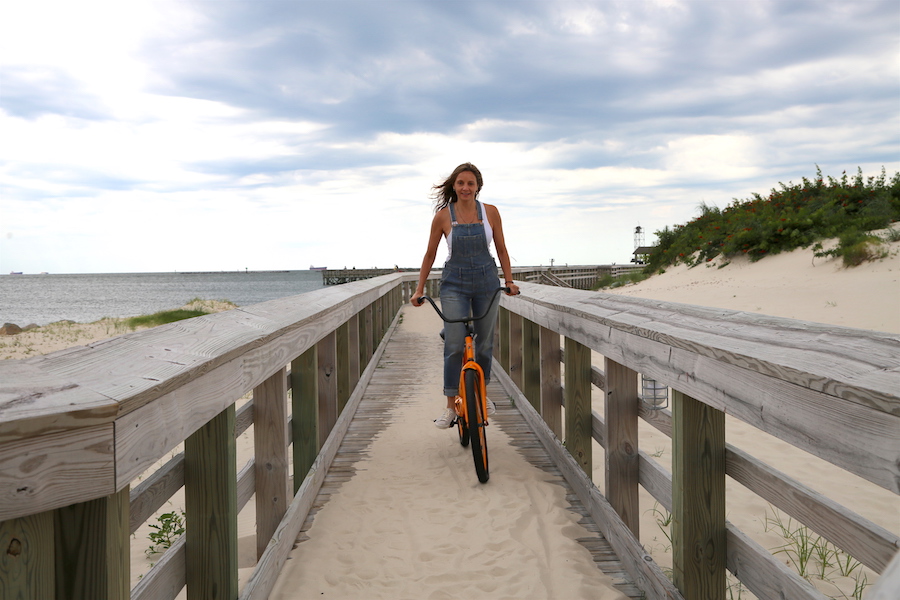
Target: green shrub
point(794, 216)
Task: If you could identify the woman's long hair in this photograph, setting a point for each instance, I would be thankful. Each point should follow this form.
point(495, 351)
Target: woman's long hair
point(443, 193)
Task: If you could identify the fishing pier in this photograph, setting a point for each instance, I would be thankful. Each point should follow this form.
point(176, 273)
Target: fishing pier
point(89, 436)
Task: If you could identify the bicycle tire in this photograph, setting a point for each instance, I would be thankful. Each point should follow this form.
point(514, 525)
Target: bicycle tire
point(476, 422)
point(463, 428)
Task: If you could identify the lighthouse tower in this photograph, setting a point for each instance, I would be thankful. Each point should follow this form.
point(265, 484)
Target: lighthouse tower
point(638, 237)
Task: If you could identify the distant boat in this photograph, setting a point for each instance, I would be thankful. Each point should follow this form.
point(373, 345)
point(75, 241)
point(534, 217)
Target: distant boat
point(312, 268)
point(15, 272)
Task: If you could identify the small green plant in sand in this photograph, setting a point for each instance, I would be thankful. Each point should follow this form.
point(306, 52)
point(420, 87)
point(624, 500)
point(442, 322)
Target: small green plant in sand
point(168, 528)
point(816, 559)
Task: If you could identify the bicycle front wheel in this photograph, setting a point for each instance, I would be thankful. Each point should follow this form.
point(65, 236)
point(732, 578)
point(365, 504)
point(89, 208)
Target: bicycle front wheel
point(475, 417)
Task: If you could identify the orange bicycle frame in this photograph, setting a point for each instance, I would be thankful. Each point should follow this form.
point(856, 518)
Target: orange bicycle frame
point(470, 364)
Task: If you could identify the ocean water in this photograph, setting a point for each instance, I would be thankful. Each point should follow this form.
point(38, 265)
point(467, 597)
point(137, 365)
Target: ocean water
point(43, 299)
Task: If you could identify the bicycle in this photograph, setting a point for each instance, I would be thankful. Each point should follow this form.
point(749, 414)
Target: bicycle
point(471, 403)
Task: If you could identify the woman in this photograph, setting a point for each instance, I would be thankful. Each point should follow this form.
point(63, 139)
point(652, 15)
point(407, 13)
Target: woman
point(469, 277)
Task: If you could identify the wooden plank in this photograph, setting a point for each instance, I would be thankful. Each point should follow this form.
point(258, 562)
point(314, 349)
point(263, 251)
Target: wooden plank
point(577, 391)
point(698, 498)
point(55, 470)
point(34, 403)
point(551, 381)
point(515, 349)
point(150, 494)
point(643, 569)
point(167, 577)
point(503, 315)
point(354, 351)
point(305, 411)
point(886, 587)
point(622, 444)
point(846, 432)
point(27, 566)
point(326, 374)
point(865, 541)
point(762, 573)
point(145, 435)
point(210, 498)
point(531, 363)
point(93, 549)
point(342, 365)
point(270, 442)
point(852, 364)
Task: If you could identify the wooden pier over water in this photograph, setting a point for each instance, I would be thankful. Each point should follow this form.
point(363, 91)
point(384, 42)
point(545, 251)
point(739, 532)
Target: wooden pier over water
point(79, 427)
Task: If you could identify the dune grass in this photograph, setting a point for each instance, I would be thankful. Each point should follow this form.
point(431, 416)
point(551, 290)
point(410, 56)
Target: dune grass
point(794, 216)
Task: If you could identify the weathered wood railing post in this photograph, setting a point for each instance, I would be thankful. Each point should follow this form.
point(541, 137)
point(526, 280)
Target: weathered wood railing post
point(503, 349)
point(531, 363)
point(210, 502)
point(270, 443)
point(551, 381)
point(366, 337)
point(27, 565)
point(92, 548)
point(578, 403)
point(515, 349)
point(305, 412)
point(354, 350)
point(342, 366)
point(622, 459)
point(698, 498)
point(326, 355)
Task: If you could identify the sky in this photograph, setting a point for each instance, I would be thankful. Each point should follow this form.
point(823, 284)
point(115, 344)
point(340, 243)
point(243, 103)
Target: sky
point(159, 136)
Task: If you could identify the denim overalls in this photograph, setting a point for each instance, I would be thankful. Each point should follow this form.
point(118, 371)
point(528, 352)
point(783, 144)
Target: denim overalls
point(468, 283)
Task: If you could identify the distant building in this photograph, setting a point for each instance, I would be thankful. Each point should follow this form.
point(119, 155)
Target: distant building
point(641, 254)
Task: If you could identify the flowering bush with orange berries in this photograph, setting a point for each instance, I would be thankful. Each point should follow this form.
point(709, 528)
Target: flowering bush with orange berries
point(793, 216)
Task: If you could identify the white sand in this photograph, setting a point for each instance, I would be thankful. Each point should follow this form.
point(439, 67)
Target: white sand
point(415, 523)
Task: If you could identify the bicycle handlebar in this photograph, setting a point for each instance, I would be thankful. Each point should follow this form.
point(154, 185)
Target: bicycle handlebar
point(422, 300)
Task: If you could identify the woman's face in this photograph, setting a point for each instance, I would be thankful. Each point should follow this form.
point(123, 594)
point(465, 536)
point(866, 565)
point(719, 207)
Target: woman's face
point(465, 186)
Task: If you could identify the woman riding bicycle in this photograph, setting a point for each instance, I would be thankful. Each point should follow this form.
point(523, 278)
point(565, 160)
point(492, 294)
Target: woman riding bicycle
point(469, 277)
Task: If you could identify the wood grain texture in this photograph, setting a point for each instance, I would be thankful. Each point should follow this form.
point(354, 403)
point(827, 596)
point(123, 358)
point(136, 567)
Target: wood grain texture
point(270, 444)
point(622, 444)
point(27, 569)
point(847, 415)
point(698, 498)
point(55, 470)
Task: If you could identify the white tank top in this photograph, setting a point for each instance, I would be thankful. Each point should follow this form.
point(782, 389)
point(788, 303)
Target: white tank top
point(488, 232)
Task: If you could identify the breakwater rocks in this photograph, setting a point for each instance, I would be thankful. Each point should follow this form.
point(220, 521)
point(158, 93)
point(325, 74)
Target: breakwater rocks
point(13, 329)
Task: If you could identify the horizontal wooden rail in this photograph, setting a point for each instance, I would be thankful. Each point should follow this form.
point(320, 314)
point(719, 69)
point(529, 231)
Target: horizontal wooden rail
point(831, 391)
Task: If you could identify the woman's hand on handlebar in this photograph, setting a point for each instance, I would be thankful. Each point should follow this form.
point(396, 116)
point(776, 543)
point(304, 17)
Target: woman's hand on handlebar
point(416, 299)
point(513, 289)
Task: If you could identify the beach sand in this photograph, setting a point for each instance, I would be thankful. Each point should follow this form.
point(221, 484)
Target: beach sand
point(394, 530)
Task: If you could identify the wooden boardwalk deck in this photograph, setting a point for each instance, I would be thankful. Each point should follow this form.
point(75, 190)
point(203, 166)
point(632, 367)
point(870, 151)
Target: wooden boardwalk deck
point(403, 390)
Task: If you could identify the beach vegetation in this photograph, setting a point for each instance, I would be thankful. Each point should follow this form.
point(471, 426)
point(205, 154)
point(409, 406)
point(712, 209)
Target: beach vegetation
point(163, 317)
point(168, 528)
point(609, 281)
point(794, 215)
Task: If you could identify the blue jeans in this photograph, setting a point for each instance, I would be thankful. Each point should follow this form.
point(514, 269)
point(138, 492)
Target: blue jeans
point(457, 304)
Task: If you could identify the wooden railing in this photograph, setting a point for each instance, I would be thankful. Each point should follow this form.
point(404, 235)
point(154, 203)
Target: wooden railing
point(78, 427)
point(831, 391)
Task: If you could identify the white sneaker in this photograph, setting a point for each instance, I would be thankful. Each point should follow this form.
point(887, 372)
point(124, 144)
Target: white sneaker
point(492, 408)
point(447, 418)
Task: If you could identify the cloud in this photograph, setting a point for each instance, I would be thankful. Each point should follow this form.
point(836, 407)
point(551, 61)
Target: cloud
point(165, 128)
